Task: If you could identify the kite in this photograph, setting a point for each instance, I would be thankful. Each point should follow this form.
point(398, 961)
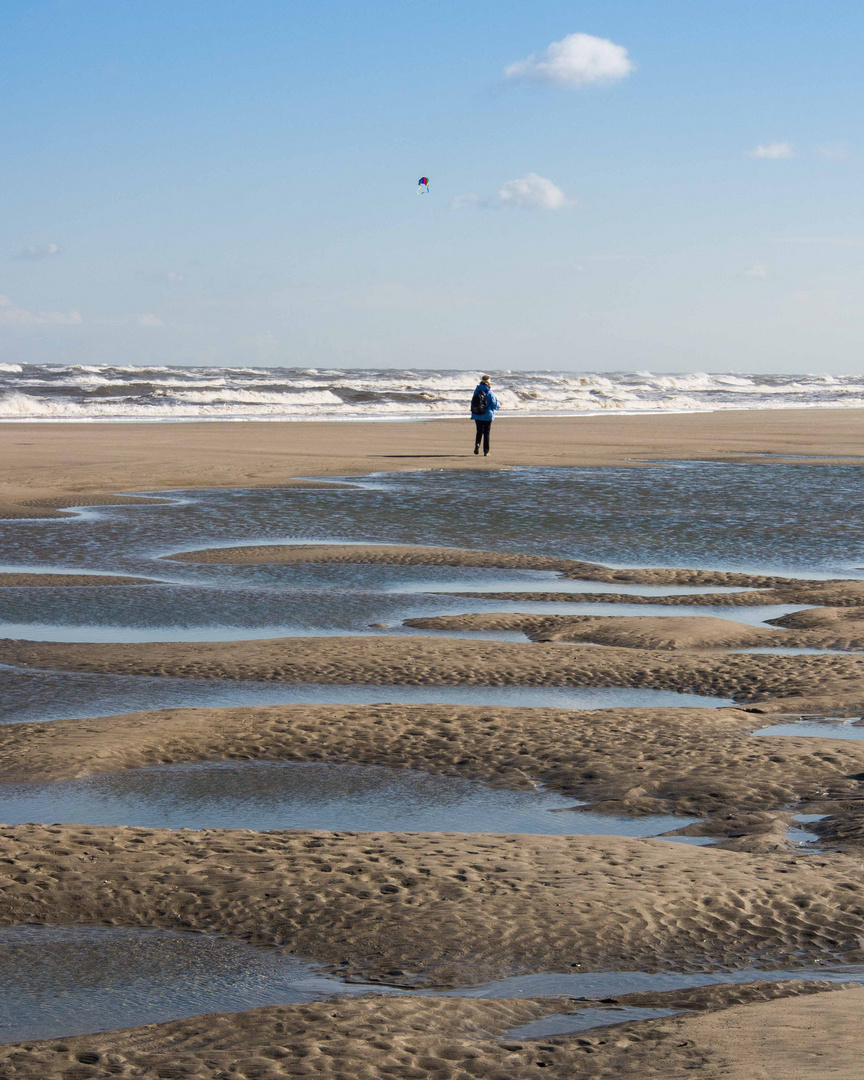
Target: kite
point(423, 185)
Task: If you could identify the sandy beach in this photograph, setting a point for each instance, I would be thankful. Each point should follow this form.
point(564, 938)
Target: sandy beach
point(424, 910)
point(45, 466)
point(431, 542)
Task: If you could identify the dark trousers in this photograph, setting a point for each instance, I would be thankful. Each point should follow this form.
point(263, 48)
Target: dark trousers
point(483, 429)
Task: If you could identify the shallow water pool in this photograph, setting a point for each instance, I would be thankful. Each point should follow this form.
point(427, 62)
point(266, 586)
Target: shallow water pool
point(58, 981)
point(67, 980)
point(310, 795)
point(829, 728)
point(31, 694)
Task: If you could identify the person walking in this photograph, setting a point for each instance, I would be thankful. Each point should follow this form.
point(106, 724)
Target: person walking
point(483, 406)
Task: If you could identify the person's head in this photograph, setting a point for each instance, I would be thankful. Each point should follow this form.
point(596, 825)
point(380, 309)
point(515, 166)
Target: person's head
point(486, 379)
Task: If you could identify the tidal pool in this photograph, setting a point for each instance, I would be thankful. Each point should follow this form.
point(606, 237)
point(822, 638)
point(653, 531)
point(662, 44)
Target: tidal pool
point(60, 981)
point(310, 795)
point(832, 727)
point(704, 514)
point(31, 694)
point(57, 980)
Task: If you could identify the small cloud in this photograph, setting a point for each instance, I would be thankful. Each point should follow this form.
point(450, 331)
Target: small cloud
point(757, 270)
point(576, 60)
point(10, 315)
point(773, 151)
point(535, 192)
point(39, 251)
point(148, 319)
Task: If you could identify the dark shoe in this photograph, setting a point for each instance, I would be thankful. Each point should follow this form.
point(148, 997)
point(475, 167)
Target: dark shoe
point(476, 449)
point(485, 453)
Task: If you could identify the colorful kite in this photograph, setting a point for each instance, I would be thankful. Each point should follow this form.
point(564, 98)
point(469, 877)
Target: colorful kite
point(423, 185)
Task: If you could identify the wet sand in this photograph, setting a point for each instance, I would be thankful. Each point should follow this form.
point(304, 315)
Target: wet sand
point(48, 466)
point(806, 683)
point(443, 909)
point(653, 632)
point(36, 580)
point(784, 1023)
point(421, 555)
point(622, 761)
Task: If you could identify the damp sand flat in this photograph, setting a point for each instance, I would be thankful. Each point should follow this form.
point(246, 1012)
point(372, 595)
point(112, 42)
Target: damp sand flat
point(421, 661)
point(42, 694)
point(369, 904)
point(618, 762)
point(792, 914)
point(89, 459)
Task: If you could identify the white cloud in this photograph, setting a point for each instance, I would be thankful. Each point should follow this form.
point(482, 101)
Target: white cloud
point(773, 151)
point(146, 318)
point(576, 60)
point(39, 251)
point(10, 315)
point(757, 270)
point(533, 191)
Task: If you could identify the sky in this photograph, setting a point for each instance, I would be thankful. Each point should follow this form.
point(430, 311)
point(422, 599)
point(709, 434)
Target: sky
point(673, 185)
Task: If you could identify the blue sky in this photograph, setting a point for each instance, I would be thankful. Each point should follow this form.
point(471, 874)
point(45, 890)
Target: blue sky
point(235, 183)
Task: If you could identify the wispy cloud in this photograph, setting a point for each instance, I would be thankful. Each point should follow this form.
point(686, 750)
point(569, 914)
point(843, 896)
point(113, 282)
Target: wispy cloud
point(532, 191)
point(12, 315)
point(147, 318)
point(757, 270)
point(774, 151)
point(39, 251)
point(576, 60)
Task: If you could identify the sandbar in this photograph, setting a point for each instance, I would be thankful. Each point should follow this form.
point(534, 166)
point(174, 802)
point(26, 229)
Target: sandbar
point(804, 683)
point(621, 761)
point(445, 909)
point(735, 1029)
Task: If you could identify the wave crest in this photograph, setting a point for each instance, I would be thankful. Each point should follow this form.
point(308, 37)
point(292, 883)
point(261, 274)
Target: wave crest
point(161, 393)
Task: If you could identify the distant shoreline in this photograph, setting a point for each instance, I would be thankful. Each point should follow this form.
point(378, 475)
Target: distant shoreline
point(425, 419)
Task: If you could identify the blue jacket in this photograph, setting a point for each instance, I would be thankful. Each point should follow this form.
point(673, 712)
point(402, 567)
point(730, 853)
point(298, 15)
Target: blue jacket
point(491, 404)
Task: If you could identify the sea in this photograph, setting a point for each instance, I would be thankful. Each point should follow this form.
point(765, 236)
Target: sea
point(86, 393)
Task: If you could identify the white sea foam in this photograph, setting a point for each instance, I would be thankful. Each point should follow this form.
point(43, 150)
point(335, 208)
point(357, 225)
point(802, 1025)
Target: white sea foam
point(162, 393)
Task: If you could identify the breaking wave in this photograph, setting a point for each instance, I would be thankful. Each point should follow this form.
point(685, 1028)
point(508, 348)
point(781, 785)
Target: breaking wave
point(34, 392)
